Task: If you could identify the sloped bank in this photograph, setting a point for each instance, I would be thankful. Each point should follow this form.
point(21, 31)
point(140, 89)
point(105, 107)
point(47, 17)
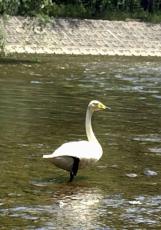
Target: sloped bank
point(81, 37)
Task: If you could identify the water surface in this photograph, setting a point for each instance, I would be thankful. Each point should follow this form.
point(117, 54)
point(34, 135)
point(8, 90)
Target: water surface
point(43, 102)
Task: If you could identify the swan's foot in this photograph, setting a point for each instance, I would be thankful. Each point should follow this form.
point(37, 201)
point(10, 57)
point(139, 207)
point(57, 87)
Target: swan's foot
point(71, 177)
point(74, 169)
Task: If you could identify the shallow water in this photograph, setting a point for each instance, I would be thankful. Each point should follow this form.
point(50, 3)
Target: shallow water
point(43, 101)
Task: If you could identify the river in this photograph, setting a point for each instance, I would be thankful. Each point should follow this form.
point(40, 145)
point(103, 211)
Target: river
point(43, 100)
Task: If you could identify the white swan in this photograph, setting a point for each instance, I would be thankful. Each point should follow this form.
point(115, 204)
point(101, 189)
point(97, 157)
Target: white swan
point(78, 154)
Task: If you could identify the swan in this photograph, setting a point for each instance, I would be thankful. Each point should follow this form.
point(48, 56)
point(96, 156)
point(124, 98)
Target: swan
point(75, 155)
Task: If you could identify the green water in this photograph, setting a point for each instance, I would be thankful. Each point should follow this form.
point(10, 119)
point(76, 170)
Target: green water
point(43, 102)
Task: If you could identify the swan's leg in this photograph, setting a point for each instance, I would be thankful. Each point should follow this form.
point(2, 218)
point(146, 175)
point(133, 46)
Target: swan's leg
point(74, 170)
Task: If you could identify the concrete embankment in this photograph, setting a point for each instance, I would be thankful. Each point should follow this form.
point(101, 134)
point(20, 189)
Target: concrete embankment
point(80, 37)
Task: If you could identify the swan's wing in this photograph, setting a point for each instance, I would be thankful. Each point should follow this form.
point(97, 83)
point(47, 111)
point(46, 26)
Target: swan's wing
point(79, 149)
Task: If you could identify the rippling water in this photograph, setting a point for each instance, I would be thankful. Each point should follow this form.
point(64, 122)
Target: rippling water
point(43, 102)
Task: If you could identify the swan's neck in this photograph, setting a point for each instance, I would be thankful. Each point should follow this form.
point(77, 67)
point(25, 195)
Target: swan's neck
point(89, 131)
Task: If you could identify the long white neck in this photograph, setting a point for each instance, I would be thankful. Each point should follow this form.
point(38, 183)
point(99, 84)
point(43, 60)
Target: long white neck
point(89, 131)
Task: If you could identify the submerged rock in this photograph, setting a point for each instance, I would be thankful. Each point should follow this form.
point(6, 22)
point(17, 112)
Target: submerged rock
point(131, 175)
point(149, 172)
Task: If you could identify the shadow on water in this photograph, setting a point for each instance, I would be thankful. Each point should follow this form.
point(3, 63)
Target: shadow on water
point(16, 61)
point(59, 180)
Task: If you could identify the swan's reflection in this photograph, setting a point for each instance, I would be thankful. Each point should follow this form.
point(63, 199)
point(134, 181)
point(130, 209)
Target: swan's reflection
point(76, 207)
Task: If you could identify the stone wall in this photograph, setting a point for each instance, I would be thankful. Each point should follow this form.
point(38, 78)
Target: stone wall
point(82, 37)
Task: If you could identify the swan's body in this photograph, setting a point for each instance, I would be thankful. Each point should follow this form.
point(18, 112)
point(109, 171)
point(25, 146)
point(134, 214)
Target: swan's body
point(78, 154)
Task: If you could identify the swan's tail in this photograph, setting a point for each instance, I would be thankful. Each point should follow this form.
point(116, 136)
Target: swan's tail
point(48, 156)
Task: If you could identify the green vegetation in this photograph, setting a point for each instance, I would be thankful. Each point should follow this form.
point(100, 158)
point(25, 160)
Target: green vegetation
point(147, 10)
point(2, 36)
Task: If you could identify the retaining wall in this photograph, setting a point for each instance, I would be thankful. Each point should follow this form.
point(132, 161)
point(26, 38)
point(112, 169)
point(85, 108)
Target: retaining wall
point(81, 37)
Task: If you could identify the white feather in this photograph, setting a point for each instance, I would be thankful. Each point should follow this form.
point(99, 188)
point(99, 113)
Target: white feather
point(87, 152)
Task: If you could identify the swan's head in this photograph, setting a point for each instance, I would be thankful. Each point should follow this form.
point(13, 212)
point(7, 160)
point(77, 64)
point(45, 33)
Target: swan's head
point(96, 105)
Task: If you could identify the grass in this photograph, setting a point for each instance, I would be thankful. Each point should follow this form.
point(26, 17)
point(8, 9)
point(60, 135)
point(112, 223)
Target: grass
point(2, 40)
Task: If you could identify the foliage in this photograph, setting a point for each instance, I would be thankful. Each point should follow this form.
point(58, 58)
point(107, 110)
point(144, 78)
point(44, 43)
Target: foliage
point(104, 9)
point(2, 37)
point(9, 6)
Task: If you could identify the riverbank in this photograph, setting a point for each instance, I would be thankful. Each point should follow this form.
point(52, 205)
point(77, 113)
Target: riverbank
point(80, 37)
